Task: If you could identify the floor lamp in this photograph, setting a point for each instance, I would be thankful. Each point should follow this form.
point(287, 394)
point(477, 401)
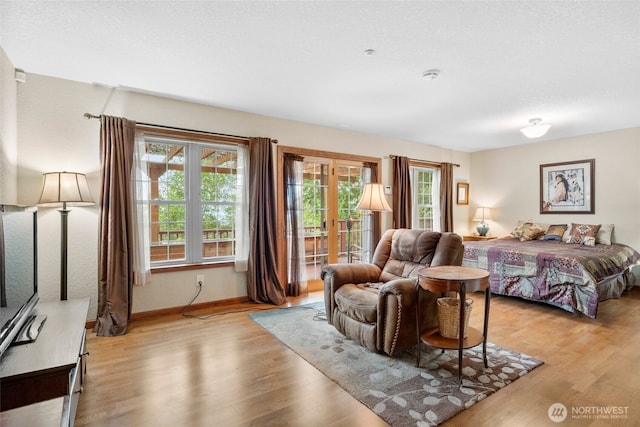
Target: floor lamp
point(373, 199)
point(62, 188)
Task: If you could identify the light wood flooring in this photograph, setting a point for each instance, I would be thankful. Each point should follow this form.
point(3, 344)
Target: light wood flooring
point(228, 371)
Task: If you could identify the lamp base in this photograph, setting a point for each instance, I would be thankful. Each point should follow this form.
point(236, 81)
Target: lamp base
point(482, 229)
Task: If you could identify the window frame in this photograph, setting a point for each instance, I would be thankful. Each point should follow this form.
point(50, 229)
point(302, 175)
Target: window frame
point(193, 142)
point(435, 196)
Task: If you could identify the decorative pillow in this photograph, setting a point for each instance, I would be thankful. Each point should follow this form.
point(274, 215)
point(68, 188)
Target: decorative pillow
point(604, 234)
point(555, 232)
point(542, 225)
point(527, 231)
point(517, 232)
point(583, 234)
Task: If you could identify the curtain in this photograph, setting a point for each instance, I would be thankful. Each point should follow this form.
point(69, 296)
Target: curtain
point(446, 197)
point(401, 202)
point(294, 224)
point(242, 218)
point(115, 229)
point(263, 284)
point(142, 186)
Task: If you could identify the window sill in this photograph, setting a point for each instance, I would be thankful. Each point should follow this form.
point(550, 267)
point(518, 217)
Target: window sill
point(184, 267)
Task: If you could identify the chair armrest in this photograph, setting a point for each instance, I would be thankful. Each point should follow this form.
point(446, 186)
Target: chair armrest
point(404, 289)
point(339, 274)
point(336, 275)
point(397, 314)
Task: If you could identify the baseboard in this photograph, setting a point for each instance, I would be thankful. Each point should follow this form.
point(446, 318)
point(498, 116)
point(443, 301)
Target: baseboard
point(178, 310)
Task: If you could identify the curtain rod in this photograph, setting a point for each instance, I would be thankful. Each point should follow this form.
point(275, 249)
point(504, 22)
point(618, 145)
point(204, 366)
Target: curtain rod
point(91, 116)
point(393, 156)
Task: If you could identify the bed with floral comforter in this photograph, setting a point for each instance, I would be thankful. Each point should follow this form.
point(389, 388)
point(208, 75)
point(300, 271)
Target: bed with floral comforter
point(573, 277)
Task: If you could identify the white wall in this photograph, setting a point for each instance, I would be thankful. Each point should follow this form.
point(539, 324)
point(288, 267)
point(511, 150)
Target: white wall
point(8, 132)
point(508, 180)
point(53, 135)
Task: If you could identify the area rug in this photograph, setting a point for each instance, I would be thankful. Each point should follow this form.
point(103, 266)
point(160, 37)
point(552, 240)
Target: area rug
point(393, 387)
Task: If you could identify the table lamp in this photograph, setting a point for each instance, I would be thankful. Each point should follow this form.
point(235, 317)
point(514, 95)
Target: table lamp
point(483, 214)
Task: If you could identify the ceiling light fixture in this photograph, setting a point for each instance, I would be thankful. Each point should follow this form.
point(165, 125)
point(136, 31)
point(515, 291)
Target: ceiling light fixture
point(536, 129)
point(369, 52)
point(431, 74)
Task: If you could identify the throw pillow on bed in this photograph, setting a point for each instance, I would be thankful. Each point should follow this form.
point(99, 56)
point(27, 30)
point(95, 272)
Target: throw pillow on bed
point(527, 231)
point(555, 232)
point(604, 234)
point(584, 234)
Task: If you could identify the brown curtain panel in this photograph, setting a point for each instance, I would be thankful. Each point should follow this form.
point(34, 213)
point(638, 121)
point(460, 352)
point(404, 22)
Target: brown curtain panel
point(446, 197)
point(263, 284)
point(293, 206)
point(116, 227)
point(401, 202)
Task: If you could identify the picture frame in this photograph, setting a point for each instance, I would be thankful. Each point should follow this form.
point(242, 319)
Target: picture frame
point(568, 187)
point(463, 193)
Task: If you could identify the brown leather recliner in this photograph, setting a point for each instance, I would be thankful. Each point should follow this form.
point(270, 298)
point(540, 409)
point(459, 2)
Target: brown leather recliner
point(374, 304)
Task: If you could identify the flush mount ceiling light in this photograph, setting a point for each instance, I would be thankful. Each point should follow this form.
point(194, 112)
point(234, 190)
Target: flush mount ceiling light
point(536, 129)
point(431, 74)
point(369, 52)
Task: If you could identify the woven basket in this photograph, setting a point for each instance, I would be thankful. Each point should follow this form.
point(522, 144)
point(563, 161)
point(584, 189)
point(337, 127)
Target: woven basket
point(449, 316)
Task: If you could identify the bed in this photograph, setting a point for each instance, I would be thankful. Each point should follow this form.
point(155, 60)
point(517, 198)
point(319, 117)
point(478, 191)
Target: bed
point(575, 277)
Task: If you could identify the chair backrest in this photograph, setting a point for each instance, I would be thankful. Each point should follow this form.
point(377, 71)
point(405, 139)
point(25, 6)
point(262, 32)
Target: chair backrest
point(402, 252)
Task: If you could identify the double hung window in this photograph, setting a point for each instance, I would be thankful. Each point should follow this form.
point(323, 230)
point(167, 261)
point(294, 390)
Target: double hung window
point(193, 203)
point(426, 200)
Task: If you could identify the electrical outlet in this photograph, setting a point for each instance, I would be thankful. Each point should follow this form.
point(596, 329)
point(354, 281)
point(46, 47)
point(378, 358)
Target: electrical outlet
point(200, 280)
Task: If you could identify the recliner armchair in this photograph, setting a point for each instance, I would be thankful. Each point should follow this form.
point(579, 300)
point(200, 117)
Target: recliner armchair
point(374, 304)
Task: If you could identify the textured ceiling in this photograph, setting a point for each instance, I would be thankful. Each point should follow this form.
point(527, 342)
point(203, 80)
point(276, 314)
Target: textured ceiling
point(574, 64)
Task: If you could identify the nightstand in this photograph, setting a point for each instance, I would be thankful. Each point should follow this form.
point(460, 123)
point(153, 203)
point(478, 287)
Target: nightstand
point(477, 238)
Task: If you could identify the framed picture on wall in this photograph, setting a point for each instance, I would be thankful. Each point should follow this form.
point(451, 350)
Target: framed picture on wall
point(463, 193)
point(568, 187)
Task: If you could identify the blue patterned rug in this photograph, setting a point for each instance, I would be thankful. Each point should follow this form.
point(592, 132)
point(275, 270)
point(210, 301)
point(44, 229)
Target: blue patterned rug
point(393, 387)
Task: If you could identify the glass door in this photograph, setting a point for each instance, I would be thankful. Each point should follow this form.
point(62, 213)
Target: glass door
point(315, 201)
point(334, 231)
point(354, 226)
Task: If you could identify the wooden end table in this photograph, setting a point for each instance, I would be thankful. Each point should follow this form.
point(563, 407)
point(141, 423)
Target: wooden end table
point(449, 278)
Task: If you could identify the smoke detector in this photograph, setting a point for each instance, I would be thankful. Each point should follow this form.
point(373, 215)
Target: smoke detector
point(431, 74)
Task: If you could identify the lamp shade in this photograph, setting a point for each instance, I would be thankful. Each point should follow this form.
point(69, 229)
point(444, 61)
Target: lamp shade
point(65, 187)
point(373, 199)
point(482, 214)
point(536, 129)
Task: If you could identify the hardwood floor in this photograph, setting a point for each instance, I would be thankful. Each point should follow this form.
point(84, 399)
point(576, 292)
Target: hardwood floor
point(228, 371)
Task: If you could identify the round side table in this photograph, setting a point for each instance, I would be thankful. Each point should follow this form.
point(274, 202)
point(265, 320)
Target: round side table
point(449, 278)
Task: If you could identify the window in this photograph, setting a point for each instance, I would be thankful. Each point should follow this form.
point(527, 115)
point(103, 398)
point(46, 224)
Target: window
point(192, 207)
point(426, 199)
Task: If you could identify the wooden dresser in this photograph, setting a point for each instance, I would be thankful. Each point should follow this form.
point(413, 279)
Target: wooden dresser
point(44, 378)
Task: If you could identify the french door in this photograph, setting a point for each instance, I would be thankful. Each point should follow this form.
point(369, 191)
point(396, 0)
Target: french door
point(333, 230)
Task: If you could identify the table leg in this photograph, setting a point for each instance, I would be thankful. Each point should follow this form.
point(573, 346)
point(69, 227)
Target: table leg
point(418, 340)
point(485, 331)
point(463, 298)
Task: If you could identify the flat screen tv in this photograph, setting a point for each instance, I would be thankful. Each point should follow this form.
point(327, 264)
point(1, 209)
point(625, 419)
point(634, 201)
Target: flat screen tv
point(18, 272)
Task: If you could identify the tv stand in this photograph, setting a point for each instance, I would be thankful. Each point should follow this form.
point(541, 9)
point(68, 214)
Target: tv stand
point(44, 377)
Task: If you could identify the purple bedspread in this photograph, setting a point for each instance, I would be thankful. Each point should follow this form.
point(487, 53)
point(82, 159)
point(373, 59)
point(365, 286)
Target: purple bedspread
point(551, 271)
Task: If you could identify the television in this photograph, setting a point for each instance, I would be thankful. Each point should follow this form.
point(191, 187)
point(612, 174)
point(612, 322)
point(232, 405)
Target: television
point(18, 276)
